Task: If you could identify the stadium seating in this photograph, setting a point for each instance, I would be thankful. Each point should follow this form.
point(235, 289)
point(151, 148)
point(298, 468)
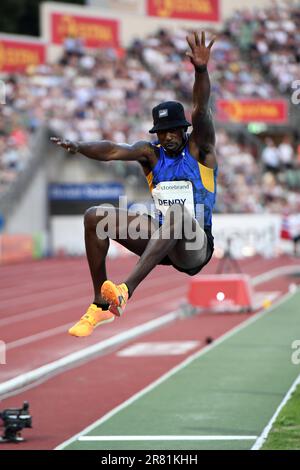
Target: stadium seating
point(104, 95)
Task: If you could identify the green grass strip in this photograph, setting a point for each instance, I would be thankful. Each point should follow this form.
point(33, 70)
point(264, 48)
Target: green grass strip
point(285, 433)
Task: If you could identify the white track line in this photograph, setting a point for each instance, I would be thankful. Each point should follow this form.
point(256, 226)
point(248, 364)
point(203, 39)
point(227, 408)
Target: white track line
point(43, 311)
point(24, 296)
point(72, 280)
point(44, 296)
point(282, 271)
point(175, 369)
point(29, 314)
point(8, 293)
point(262, 438)
point(38, 336)
point(36, 268)
point(64, 328)
point(167, 438)
point(54, 367)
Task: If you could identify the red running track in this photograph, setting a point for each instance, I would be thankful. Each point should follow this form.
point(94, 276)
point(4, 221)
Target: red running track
point(50, 296)
point(38, 303)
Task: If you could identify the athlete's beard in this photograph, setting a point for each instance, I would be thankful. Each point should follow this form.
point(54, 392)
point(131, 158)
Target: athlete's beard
point(175, 150)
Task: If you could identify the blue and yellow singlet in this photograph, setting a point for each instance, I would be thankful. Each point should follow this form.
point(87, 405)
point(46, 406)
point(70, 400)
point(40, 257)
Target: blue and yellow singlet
point(183, 167)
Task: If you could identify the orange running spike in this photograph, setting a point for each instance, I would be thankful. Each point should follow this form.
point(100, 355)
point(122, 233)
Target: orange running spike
point(93, 318)
point(116, 296)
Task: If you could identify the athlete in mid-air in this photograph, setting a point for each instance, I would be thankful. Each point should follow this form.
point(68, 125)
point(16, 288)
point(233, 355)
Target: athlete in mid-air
point(181, 171)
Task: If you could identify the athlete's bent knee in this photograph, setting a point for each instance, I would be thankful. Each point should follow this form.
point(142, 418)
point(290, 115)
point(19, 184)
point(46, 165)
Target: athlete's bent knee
point(94, 214)
point(90, 217)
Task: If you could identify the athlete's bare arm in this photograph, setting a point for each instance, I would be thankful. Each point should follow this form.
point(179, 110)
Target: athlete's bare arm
point(203, 135)
point(106, 150)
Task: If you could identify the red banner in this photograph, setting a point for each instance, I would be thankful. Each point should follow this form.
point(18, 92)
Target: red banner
point(266, 111)
point(205, 10)
point(18, 54)
point(95, 32)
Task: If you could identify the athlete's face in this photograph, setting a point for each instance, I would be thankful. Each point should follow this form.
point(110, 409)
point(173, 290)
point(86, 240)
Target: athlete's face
point(171, 139)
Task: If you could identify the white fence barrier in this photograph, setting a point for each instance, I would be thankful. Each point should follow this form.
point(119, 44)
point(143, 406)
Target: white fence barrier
point(249, 234)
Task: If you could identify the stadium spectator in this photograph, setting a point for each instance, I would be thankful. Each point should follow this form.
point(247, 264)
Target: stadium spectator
point(286, 153)
point(270, 156)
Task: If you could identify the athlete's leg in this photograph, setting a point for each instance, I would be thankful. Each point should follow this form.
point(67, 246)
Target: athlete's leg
point(96, 251)
point(171, 239)
point(191, 250)
point(100, 225)
point(97, 243)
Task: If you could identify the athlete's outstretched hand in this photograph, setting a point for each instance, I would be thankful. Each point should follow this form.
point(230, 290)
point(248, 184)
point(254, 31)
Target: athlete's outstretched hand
point(71, 147)
point(199, 54)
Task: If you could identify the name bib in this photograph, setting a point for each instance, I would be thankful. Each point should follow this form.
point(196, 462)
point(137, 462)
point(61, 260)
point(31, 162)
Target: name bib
point(167, 193)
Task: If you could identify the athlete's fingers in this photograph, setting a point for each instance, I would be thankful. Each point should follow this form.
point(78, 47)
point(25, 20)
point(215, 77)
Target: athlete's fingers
point(212, 42)
point(202, 42)
point(57, 141)
point(190, 42)
point(197, 41)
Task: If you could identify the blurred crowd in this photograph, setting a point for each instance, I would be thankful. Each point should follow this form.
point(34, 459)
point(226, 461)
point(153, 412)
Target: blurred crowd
point(109, 94)
point(272, 38)
point(255, 180)
point(231, 75)
point(14, 144)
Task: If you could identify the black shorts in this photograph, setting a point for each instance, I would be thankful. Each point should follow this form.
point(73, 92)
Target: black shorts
point(209, 252)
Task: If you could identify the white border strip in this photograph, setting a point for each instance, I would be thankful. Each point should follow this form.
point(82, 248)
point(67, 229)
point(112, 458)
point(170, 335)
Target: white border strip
point(276, 272)
point(166, 438)
point(54, 367)
point(262, 438)
point(173, 371)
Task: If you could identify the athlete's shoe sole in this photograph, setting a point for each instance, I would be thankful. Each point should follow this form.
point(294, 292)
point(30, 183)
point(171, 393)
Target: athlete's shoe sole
point(116, 296)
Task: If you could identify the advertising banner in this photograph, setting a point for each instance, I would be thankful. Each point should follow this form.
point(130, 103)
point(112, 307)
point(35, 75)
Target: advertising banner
point(94, 32)
point(85, 191)
point(267, 111)
point(17, 54)
point(203, 10)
